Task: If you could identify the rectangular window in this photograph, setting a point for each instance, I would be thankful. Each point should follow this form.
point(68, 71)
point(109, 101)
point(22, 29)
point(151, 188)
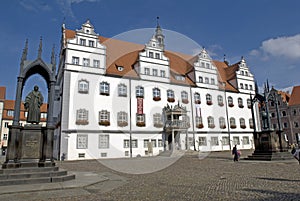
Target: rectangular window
point(43, 115)
point(75, 60)
point(103, 141)
point(6, 124)
point(206, 80)
point(212, 81)
point(225, 140)
point(147, 71)
point(104, 88)
point(214, 141)
point(151, 54)
point(103, 155)
point(96, 63)
point(134, 143)
point(86, 62)
point(91, 43)
point(236, 140)
point(82, 117)
point(126, 153)
point(146, 143)
point(122, 90)
point(157, 56)
point(160, 143)
point(202, 141)
point(5, 136)
point(154, 72)
point(82, 42)
point(246, 140)
point(82, 141)
point(153, 142)
point(81, 155)
point(126, 143)
point(10, 113)
point(162, 73)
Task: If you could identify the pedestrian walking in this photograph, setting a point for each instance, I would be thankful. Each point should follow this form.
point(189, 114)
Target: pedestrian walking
point(296, 153)
point(235, 153)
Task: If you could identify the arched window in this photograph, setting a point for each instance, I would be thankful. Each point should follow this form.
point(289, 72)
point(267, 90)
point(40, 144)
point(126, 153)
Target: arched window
point(122, 119)
point(170, 96)
point(104, 88)
point(230, 101)
point(156, 94)
point(220, 100)
point(197, 98)
point(83, 86)
point(222, 122)
point(232, 122)
point(139, 91)
point(184, 97)
point(208, 99)
point(240, 102)
point(242, 123)
point(210, 121)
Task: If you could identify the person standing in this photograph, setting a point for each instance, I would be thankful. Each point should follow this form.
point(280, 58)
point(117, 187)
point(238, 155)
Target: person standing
point(32, 104)
point(235, 153)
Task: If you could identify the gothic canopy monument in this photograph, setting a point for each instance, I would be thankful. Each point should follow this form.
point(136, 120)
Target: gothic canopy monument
point(31, 145)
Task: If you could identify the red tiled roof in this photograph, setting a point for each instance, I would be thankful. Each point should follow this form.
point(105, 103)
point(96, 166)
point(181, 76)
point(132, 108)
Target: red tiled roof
point(2, 93)
point(295, 96)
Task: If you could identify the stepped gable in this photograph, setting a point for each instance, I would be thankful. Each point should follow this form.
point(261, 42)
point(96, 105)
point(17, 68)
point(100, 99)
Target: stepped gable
point(285, 96)
point(125, 54)
point(295, 96)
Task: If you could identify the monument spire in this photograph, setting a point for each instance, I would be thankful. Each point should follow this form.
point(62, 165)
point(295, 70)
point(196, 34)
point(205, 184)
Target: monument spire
point(24, 55)
point(40, 48)
point(53, 60)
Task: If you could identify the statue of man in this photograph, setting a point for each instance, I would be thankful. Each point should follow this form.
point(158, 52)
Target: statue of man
point(32, 104)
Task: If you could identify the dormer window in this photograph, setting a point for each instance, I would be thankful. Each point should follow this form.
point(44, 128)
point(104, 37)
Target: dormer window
point(180, 77)
point(91, 43)
point(207, 65)
point(120, 68)
point(154, 72)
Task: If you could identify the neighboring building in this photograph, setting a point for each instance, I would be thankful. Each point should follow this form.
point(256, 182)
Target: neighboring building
point(8, 114)
point(2, 98)
point(110, 97)
point(294, 111)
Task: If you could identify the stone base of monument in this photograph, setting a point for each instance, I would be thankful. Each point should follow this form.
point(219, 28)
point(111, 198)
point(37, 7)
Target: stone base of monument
point(31, 175)
point(29, 157)
point(267, 147)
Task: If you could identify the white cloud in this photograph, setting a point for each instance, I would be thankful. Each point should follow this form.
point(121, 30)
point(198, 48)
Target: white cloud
point(35, 5)
point(288, 47)
point(66, 6)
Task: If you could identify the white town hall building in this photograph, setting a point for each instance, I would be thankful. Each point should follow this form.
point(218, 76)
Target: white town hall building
point(120, 99)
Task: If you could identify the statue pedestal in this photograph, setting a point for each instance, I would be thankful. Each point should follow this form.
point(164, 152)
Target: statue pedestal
point(29, 146)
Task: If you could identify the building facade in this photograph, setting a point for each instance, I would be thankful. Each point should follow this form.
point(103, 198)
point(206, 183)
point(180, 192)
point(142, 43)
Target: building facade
point(111, 97)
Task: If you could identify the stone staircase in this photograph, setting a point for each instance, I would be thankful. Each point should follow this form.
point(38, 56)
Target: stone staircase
point(270, 156)
point(34, 175)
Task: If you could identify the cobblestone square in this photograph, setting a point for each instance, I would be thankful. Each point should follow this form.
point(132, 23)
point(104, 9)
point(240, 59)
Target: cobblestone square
point(215, 177)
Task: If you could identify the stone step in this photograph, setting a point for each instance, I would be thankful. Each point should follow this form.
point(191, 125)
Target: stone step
point(270, 156)
point(26, 170)
point(32, 175)
point(8, 182)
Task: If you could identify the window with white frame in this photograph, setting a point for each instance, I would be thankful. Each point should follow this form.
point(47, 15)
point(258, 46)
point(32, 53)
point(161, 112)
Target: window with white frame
point(249, 103)
point(75, 60)
point(151, 54)
point(202, 141)
point(157, 56)
point(104, 88)
point(82, 117)
point(199, 123)
point(236, 140)
point(6, 124)
point(246, 140)
point(83, 86)
point(82, 41)
point(153, 142)
point(251, 123)
point(246, 86)
point(134, 143)
point(232, 122)
point(140, 120)
point(156, 94)
point(230, 101)
point(170, 96)
point(122, 90)
point(86, 62)
point(240, 103)
point(220, 100)
point(202, 64)
point(206, 80)
point(222, 122)
point(212, 81)
point(146, 141)
point(157, 120)
point(200, 79)
point(208, 99)
point(5, 136)
point(154, 72)
point(184, 97)
point(147, 71)
point(103, 141)
point(162, 73)
point(82, 141)
point(225, 140)
point(91, 43)
point(10, 113)
point(197, 98)
point(160, 143)
point(96, 63)
point(241, 85)
point(214, 141)
point(126, 144)
point(139, 91)
point(242, 123)
point(104, 118)
point(122, 119)
point(210, 121)
point(43, 115)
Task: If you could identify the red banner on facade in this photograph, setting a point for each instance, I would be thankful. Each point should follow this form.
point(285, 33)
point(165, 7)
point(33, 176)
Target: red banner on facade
point(140, 105)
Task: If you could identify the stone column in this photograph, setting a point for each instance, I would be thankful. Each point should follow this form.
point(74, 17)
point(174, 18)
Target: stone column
point(18, 101)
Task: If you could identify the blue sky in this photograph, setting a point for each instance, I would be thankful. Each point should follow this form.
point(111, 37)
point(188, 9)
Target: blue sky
point(265, 32)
